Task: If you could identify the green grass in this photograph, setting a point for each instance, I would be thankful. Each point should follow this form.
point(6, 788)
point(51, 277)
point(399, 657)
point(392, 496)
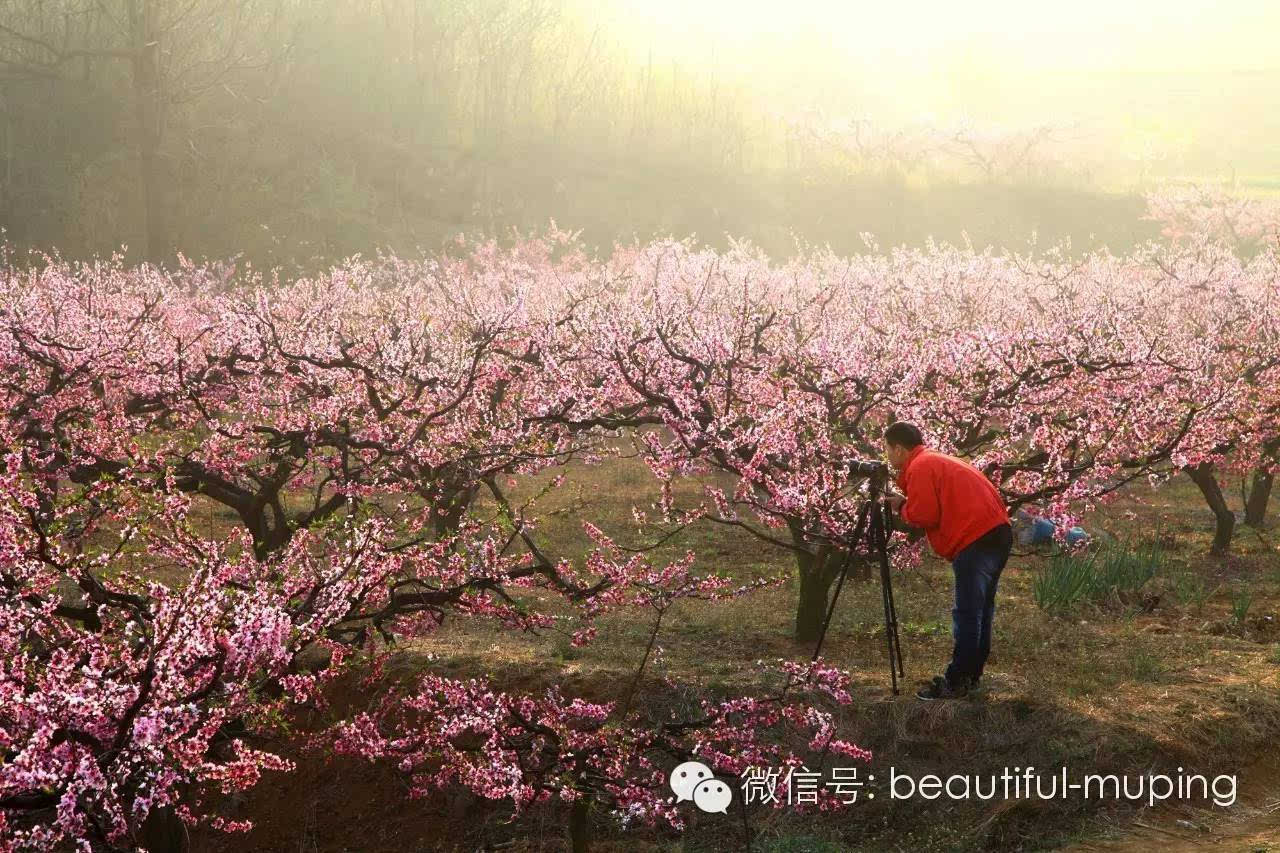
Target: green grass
point(1145, 665)
point(1241, 601)
point(1098, 574)
point(1191, 589)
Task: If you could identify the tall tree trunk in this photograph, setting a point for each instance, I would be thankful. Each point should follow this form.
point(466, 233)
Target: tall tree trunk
point(6, 179)
point(1202, 475)
point(149, 121)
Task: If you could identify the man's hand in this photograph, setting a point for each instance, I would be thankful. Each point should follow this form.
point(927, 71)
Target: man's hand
point(896, 502)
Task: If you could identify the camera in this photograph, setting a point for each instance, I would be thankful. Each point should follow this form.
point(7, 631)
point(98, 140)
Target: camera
point(867, 467)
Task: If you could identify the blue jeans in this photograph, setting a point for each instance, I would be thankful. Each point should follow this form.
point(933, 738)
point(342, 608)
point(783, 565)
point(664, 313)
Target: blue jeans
point(977, 570)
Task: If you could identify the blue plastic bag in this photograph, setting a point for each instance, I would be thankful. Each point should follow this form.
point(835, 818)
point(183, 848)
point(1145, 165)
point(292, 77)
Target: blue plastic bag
point(1042, 531)
point(1075, 536)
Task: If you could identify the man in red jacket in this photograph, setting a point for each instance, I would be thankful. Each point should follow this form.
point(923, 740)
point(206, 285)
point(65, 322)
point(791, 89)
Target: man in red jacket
point(966, 522)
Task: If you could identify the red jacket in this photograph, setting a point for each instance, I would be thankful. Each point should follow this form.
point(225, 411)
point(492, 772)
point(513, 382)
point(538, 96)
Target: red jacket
point(950, 499)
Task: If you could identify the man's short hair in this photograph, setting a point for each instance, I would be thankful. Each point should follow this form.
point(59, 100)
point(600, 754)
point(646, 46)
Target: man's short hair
point(904, 434)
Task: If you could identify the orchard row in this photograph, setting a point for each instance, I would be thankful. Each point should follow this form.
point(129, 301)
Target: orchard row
point(360, 427)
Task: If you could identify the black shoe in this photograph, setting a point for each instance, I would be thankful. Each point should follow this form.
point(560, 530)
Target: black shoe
point(940, 689)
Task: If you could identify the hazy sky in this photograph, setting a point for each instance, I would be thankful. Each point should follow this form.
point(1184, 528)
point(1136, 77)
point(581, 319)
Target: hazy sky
point(919, 35)
point(1129, 65)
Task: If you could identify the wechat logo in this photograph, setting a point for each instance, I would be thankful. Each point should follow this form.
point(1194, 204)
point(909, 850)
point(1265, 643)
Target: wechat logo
point(693, 780)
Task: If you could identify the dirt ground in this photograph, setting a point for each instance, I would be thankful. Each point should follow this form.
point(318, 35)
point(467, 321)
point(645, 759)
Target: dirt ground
point(1252, 825)
point(1131, 687)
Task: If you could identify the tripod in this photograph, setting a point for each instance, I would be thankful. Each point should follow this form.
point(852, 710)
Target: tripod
point(874, 524)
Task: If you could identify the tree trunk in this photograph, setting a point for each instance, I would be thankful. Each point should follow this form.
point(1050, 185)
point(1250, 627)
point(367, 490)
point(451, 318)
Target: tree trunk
point(1255, 506)
point(817, 568)
point(454, 502)
point(580, 825)
point(811, 608)
point(164, 832)
point(1202, 475)
point(148, 123)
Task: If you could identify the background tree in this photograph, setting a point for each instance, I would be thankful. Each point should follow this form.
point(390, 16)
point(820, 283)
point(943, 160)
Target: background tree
point(171, 53)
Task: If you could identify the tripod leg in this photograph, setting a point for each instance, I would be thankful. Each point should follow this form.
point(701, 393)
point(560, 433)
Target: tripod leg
point(864, 515)
point(880, 541)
